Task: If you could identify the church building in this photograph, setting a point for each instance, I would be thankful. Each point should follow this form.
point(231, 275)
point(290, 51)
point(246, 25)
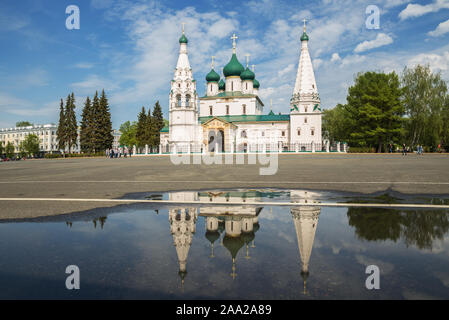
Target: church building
point(231, 116)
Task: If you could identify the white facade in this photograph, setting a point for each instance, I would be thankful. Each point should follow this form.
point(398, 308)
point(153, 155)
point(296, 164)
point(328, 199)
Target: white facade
point(48, 140)
point(231, 117)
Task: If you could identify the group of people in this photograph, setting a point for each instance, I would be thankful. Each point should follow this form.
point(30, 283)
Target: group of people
point(118, 152)
point(405, 149)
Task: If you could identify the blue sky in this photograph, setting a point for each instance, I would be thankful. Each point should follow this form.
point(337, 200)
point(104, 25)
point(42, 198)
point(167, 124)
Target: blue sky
point(130, 48)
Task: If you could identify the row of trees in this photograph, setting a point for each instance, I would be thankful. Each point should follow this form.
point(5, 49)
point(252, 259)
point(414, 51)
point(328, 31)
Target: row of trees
point(28, 147)
point(144, 131)
point(67, 131)
point(385, 109)
point(95, 127)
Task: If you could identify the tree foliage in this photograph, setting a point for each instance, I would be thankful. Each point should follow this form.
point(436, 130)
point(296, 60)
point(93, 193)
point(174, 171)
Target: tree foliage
point(30, 145)
point(23, 124)
point(128, 131)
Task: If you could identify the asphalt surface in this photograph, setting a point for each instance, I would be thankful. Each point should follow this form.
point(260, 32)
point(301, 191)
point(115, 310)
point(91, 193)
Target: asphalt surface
point(100, 178)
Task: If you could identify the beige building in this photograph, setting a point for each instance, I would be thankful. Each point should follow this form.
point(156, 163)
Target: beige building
point(48, 140)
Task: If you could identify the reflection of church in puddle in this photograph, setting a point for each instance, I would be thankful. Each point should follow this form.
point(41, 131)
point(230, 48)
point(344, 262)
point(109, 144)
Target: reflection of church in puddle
point(235, 226)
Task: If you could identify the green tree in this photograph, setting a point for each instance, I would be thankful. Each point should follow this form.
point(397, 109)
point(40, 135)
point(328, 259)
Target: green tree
point(128, 130)
point(9, 150)
point(61, 132)
point(23, 124)
point(105, 137)
point(70, 122)
point(157, 125)
point(425, 102)
point(375, 110)
point(30, 145)
point(336, 126)
point(96, 143)
point(2, 148)
point(142, 130)
point(87, 128)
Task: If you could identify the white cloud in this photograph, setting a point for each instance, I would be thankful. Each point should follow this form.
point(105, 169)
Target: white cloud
point(417, 10)
point(335, 57)
point(94, 83)
point(442, 28)
point(437, 62)
point(381, 40)
point(84, 65)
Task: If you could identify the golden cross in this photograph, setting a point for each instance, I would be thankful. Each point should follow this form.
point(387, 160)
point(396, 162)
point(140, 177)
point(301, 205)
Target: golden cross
point(304, 24)
point(247, 59)
point(213, 61)
point(233, 41)
point(183, 23)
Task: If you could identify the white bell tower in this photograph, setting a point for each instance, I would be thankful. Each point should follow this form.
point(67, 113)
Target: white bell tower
point(183, 107)
point(305, 111)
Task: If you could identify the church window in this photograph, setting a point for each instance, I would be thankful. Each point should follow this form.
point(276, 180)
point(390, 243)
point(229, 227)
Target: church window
point(244, 109)
point(263, 133)
point(211, 88)
point(178, 99)
point(299, 132)
point(227, 110)
point(312, 132)
point(232, 85)
point(210, 110)
point(305, 108)
point(188, 100)
point(283, 133)
point(247, 86)
point(179, 85)
point(243, 135)
point(305, 120)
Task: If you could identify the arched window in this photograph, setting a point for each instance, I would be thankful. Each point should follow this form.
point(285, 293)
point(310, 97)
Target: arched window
point(244, 109)
point(188, 100)
point(227, 110)
point(247, 86)
point(243, 135)
point(299, 132)
point(305, 120)
point(312, 132)
point(210, 110)
point(178, 100)
point(305, 108)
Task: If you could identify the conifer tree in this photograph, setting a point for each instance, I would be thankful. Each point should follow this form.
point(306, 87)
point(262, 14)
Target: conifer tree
point(70, 124)
point(158, 124)
point(149, 128)
point(61, 133)
point(87, 127)
point(95, 123)
point(105, 137)
point(141, 135)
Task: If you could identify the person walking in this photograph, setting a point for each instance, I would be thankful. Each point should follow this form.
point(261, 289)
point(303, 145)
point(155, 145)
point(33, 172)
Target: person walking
point(404, 150)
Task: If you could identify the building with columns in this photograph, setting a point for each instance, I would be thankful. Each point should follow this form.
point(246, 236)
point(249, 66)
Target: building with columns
point(231, 116)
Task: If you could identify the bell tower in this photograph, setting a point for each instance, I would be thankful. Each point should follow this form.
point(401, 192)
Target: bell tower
point(305, 111)
point(183, 105)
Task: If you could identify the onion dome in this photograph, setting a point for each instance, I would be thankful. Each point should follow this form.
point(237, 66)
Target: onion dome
point(183, 39)
point(212, 76)
point(256, 84)
point(304, 37)
point(248, 237)
point(233, 244)
point(212, 236)
point(247, 75)
point(221, 85)
point(182, 275)
point(233, 68)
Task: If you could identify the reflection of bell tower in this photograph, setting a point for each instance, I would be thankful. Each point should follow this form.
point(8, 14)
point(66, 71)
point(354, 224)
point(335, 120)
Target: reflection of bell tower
point(182, 227)
point(212, 233)
point(306, 221)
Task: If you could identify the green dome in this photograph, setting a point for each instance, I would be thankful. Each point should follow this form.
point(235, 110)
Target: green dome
point(212, 76)
point(233, 244)
point(256, 84)
point(247, 75)
point(233, 68)
point(304, 37)
point(212, 236)
point(183, 39)
point(221, 85)
point(248, 236)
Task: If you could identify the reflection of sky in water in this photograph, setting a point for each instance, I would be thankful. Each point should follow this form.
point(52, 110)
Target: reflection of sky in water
point(134, 256)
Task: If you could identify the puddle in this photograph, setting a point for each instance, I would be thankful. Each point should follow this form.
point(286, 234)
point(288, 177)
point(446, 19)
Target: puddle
point(235, 251)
